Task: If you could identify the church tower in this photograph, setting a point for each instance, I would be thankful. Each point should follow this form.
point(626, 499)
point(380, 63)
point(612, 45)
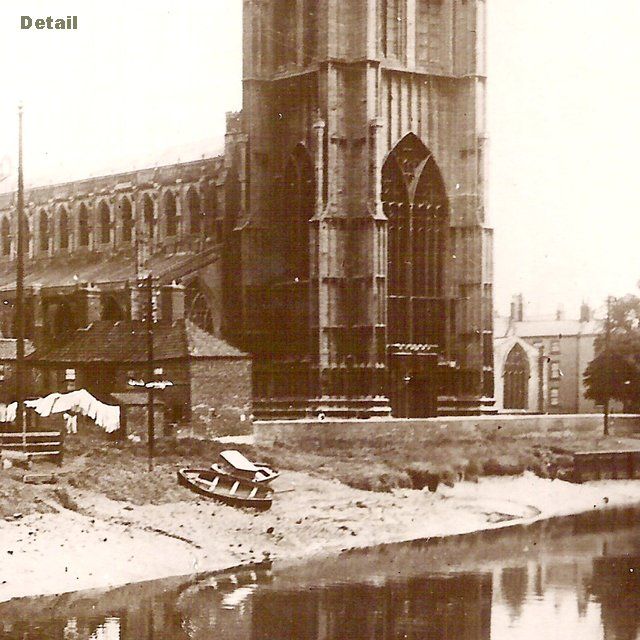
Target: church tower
point(366, 261)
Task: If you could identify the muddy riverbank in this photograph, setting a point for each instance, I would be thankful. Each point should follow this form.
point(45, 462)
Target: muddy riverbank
point(101, 542)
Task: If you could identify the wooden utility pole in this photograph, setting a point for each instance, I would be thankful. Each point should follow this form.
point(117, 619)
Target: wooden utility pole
point(607, 359)
point(541, 406)
point(19, 309)
point(150, 371)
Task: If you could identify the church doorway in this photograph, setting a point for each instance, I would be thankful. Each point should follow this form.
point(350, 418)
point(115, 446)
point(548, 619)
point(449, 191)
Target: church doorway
point(415, 202)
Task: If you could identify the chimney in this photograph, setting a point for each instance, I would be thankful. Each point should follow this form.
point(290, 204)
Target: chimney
point(172, 302)
point(139, 301)
point(90, 304)
point(517, 308)
point(585, 313)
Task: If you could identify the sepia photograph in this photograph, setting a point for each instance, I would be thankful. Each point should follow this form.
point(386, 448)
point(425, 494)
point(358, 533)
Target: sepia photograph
point(319, 320)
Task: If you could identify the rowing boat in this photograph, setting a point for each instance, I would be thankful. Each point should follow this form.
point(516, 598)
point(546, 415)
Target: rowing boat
point(229, 489)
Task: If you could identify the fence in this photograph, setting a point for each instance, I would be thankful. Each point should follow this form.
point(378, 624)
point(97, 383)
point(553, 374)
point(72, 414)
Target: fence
point(35, 444)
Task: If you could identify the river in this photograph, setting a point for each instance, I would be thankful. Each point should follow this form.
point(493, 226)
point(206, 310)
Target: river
point(576, 577)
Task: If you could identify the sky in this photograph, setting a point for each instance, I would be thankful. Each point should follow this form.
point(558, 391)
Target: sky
point(142, 81)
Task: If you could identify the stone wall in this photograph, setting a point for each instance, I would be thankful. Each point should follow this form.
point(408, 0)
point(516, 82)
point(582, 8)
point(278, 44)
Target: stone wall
point(221, 396)
point(307, 434)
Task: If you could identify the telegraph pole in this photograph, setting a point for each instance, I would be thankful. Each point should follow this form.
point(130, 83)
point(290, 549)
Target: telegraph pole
point(607, 340)
point(150, 374)
point(19, 317)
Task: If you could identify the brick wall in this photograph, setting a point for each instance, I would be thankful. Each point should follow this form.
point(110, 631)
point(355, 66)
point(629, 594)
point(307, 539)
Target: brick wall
point(133, 419)
point(220, 396)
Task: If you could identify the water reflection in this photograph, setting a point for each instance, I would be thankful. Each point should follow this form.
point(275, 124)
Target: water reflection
point(577, 577)
point(457, 606)
point(615, 584)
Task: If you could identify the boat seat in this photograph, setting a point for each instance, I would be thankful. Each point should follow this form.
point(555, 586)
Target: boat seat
point(240, 462)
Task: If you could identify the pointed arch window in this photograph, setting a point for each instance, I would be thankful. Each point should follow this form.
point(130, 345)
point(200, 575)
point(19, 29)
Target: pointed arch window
point(393, 32)
point(310, 27)
point(415, 203)
point(148, 215)
point(198, 307)
point(63, 228)
point(211, 212)
point(6, 237)
point(170, 213)
point(195, 214)
point(284, 32)
point(298, 201)
point(104, 220)
point(28, 235)
point(516, 379)
point(43, 230)
point(126, 214)
point(83, 226)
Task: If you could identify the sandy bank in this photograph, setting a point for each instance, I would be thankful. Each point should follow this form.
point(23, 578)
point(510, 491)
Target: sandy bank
point(108, 543)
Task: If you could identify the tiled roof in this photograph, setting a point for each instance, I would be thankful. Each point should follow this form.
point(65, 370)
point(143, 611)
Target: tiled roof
point(100, 268)
point(204, 345)
point(126, 341)
point(8, 347)
point(553, 328)
point(135, 398)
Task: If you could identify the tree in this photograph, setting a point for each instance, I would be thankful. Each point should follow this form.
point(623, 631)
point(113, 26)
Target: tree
point(614, 372)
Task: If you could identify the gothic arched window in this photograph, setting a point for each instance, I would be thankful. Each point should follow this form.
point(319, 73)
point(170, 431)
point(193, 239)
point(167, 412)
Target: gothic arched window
point(63, 228)
point(198, 308)
point(195, 215)
point(170, 213)
point(148, 215)
point(211, 212)
point(43, 230)
point(393, 30)
point(83, 226)
point(126, 214)
point(415, 203)
point(284, 32)
point(104, 218)
point(516, 379)
point(6, 237)
point(298, 201)
point(310, 28)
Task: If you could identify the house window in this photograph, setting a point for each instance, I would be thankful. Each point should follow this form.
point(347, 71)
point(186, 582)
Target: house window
point(70, 379)
point(555, 371)
point(555, 397)
point(555, 346)
point(2, 372)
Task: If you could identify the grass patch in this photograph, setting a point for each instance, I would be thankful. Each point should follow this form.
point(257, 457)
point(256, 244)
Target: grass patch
point(389, 465)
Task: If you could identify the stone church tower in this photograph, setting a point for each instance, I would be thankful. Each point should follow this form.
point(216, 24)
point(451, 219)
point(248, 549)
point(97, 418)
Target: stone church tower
point(365, 258)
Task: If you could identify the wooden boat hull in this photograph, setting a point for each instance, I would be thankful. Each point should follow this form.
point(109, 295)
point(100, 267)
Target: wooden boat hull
point(225, 488)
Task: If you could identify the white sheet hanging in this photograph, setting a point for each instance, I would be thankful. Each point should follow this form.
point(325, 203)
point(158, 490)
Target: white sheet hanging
point(81, 401)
